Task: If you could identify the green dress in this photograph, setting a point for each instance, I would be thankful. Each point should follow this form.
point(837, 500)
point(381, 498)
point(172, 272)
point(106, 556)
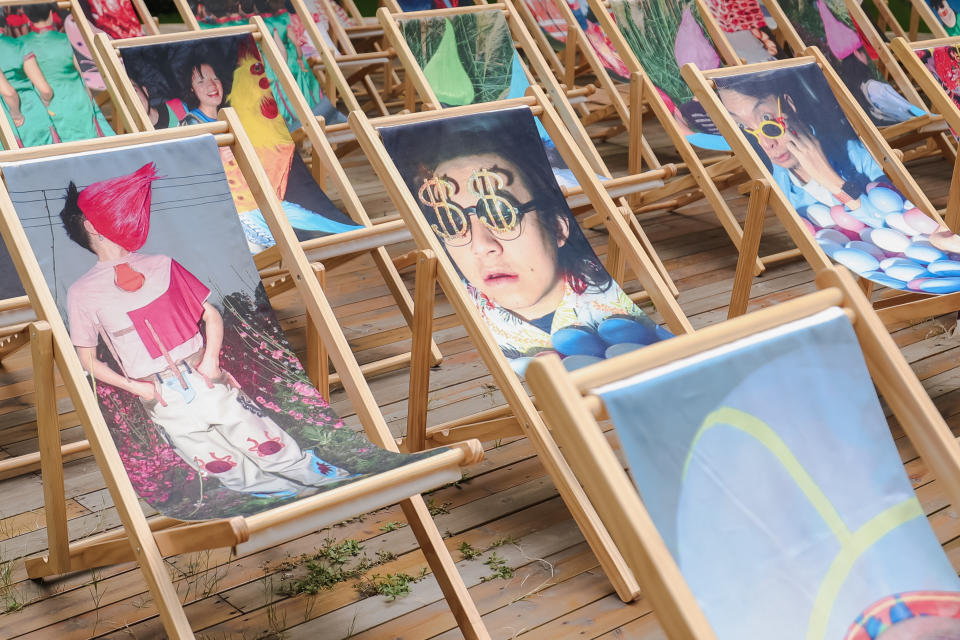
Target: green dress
point(35, 129)
point(307, 82)
point(75, 116)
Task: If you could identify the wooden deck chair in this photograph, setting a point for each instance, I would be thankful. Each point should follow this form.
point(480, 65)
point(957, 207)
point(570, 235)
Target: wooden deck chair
point(849, 200)
point(847, 37)
point(53, 97)
point(647, 46)
point(328, 77)
point(936, 17)
point(932, 73)
point(748, 29)
point(491, 35)
point(769, 503)
point(282, 464)
point(579, 52)
point(149, 65)
point(556, 295)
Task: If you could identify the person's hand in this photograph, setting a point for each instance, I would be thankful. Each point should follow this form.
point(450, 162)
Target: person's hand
point(18, 120)
point(813, 164)
point(146, 390)
point(209, 368)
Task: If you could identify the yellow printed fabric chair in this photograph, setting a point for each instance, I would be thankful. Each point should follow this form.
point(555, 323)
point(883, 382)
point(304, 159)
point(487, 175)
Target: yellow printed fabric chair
point(155, 80)
point(192, 400)
point(770, 498)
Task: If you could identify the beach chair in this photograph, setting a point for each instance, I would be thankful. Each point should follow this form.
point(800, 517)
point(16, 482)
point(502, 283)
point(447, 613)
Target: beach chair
point(748, 29)
point(933, 65)
point(833, 181)
point(149, 66)
point(521, 284)
point(45, 98)
point(580, 53)
point(653, 38)
point(938, 17)
point(470, 55)
point(769, 503)
point(303, 42)
point(846, 36)
point(231, 445)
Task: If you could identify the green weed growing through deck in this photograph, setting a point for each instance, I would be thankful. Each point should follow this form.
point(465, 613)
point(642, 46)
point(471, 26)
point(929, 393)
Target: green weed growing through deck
point(328, 567)
point(498, 568)
point(392, 585)
point(392, 526)
point(11, 597)
point(468, 551)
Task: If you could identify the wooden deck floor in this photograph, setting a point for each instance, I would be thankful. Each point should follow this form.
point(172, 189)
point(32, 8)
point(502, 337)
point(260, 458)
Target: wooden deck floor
point(549, 585)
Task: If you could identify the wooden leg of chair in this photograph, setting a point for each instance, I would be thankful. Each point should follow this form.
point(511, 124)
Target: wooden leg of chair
point(318, 364)
point(375, 95)
point(444, 570)
point(51, 459)
point(914, 23)
point(648, 246)
point(424, 294)
point(952, 217)
point(318, 169)
point(615, 261)
point(749, 248)
point(636, 140)
point(388, 270)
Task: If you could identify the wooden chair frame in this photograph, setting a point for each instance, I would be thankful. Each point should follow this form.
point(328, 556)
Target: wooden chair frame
point(928, 128)
point(895, 309)
point(572, 410)
point(519, 416)
point(334, 249)
point(631, 187)
point(148, 541)
point(706, 181)
point(336, 86)
point(931, 87)
point(121, 120)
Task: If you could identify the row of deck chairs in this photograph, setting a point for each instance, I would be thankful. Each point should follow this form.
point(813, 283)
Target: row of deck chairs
point(149, 260)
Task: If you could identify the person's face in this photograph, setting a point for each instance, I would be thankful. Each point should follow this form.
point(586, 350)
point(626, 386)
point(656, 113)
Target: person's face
point(519, 274)
point(752, 113)
point(947, 15)
point(208, 89)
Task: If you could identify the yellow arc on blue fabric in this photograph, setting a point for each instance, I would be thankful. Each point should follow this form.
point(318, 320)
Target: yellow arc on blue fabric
point(852, 544)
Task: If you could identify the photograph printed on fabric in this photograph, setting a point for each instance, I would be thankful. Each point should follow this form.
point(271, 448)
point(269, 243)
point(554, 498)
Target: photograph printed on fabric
point(552, 23)
point(827, 24)
point(10, 285)
point(210, 409)
point(785, 510)
point(944, 64)
point(188, 81)
point(748, 30)
point(946, 11)
point(286, 28)
point(847, 203)
point(116, 18)
point(470, 58)
point(492, 202)
point(664, 35)
point(46, 100)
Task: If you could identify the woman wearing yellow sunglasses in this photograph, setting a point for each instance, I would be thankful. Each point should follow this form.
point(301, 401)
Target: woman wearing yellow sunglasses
point(812, 162)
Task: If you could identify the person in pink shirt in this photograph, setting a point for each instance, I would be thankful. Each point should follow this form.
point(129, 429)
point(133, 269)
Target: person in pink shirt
point(148, 310)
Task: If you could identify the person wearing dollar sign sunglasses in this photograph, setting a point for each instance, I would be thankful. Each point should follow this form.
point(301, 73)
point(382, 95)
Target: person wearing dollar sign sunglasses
point(533, 276)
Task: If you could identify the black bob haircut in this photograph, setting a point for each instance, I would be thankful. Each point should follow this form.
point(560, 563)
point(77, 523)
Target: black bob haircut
point(72, 218)
point(511, 134)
